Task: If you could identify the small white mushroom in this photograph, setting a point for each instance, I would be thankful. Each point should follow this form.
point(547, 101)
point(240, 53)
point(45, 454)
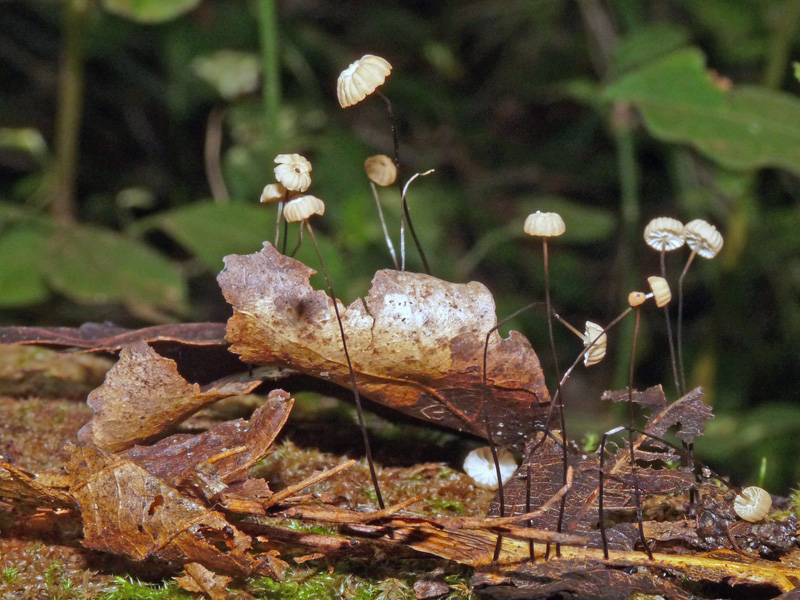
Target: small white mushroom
point(664, 234)
point(597, 351)
point(660, 289)
point(361, 78)
point(547, 224)
point(479, 465)
point(302, 207)
point(293, 172)
point(381, 170)
point(703, 238)
point(753, 504)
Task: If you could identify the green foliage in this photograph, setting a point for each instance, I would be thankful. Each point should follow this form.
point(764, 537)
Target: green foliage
point(9, 575)
point(150, 11)
point(130, 589)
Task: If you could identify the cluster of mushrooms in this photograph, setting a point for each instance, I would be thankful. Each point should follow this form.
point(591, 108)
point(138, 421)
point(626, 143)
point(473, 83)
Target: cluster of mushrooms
point(664, 234)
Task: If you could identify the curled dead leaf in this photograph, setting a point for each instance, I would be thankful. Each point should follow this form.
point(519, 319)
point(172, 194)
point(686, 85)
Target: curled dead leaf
point(416, 343)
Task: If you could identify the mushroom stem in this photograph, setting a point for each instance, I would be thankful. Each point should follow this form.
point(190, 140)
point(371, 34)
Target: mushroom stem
point(559, 394)
point(406, 219)
point(389, 243)
point(636, 494)
point(401, 185)
point(278, 224)
point(669, 331)
point(299, 242)
point(353, 381)
point(682, 390)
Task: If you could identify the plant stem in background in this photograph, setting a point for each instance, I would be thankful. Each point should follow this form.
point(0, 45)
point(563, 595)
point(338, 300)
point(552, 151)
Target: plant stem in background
point(780, 44)
point(270, 59)
point(75, 14)
point(621, 121)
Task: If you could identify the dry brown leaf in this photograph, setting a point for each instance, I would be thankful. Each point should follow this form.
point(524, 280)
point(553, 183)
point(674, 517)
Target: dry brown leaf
point(21, 487)
point(128, 511)
point(200, 580)
point(143, 396)
point(416, 343)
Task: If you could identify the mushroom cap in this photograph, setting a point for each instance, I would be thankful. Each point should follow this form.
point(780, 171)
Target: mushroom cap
point(381, 170)
point(753, 504)
point(274, 192)
point(293, 172)
point(636, 298)
point(660, 289)
point(547, 224)
point(479, 465)
point(703, 238)
point(597, 351)
point(664, 234)
point(361, 78)
point(302, 207)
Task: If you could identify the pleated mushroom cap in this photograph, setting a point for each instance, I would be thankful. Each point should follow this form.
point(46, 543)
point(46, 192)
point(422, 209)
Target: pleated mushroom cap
point(664, 234)
point(274, 192)
point(293, 172)
point(361, 78)
point(753, 504)
point(703, 237)
point(597, 352)
point(302, 207)
point(660, 289)
point(547, 224)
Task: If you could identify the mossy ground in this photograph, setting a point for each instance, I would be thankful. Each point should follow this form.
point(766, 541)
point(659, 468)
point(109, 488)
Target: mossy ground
point(322, 431)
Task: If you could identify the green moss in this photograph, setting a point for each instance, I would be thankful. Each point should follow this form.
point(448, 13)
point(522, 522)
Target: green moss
point(131, 589)
point(9, 575)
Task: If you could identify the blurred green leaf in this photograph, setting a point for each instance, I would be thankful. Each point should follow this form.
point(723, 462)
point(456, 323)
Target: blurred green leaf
point(150, 11)
point(746, 128)
point(97, 266)
point(646, 43)
point(21, 256)
point(210, 231)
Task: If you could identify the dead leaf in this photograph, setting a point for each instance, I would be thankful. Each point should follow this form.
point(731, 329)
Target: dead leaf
point(128, 511)
point(104, 336)
point(143, 396)
point(200, 580)
point(21, 487)
point(416, 343)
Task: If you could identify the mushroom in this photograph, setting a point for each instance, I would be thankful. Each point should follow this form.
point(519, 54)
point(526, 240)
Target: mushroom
point(480, 466)
point(753, 504)
point(595, 341)
point(704, 240)
point(665, 234)
point(293, 172)
point(382, 171)
point(302, 207)
point(660, 289)
point(361, 78)
point(356, 82)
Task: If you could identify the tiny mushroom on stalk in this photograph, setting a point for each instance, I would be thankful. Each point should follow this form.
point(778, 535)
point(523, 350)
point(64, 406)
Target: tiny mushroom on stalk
point(293, 172)
point(637, 298)
point(753, 504)
point(302, 207)
point(664, 234)
point(381, 170)
point(660, 289)
point(479, 465)
point(361, 78)
point(597, 350)
point(703, 238)
point(547, 224)
point(274, 192)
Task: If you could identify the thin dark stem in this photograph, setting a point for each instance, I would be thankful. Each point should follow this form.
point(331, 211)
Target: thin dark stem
point(669, 331)
point(680, 323)
point(401, 183)
point(634, 476)
point(353, 382)
point(560, 394)
point(490, 436)
point(389, 243)
point(285, 235)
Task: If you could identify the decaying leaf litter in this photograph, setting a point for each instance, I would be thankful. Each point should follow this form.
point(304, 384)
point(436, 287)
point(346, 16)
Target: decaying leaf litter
point(142, 491)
